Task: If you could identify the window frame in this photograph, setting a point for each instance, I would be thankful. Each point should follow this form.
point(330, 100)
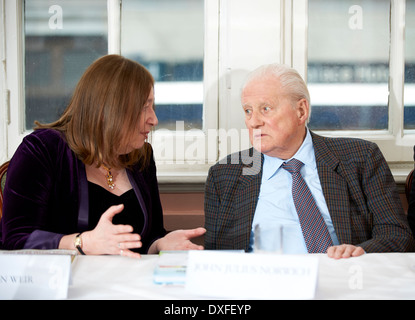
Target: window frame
point(177, 169)
point(4, 92)
point(396, 143)
point(14, 93)
point(12, 124)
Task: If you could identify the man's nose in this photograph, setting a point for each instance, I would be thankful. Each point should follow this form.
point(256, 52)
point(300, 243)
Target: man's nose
point(255, 120)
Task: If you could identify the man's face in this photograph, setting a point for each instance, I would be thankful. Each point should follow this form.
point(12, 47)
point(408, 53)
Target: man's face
point(276, 124)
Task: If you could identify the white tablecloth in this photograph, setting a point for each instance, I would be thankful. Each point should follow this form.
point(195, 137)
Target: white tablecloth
point(371, 276)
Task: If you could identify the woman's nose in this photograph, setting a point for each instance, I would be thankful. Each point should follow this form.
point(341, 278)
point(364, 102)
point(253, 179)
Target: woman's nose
point(152, 117)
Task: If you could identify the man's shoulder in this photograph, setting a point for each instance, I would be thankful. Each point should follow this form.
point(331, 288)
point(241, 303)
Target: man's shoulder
point(347, 146)
point(235, 163)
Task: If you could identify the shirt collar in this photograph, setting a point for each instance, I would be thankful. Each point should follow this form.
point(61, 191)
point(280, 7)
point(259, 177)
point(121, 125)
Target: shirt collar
point(305, 154)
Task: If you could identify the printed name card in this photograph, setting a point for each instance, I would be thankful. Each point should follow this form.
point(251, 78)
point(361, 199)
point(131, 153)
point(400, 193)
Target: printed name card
point(34, 276)
point(251, 276)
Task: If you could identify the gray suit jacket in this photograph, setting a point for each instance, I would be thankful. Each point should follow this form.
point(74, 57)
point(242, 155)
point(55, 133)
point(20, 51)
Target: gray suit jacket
point(358, 186)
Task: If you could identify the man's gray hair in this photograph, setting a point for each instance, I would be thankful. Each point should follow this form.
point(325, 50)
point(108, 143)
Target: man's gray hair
point(291, 81)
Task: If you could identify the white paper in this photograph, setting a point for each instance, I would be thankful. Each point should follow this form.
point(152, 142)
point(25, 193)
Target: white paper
point(34, 276)
point(251, 276)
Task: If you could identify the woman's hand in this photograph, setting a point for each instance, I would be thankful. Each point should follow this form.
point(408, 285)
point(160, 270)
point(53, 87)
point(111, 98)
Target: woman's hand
point(108, 238)
point(178, 240)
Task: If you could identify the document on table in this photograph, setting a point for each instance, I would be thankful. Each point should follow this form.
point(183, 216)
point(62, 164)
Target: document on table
point(171, 267)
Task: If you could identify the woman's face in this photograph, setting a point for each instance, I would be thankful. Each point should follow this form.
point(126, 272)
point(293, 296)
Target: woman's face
point(147, 121)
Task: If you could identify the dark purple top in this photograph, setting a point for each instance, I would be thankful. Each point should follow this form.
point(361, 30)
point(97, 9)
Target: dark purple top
point(46, 195)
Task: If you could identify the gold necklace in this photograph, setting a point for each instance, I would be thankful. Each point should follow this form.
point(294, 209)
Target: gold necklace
point(109, 177)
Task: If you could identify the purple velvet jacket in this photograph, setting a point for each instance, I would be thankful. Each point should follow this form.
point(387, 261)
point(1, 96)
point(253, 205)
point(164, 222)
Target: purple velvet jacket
point(46, 195)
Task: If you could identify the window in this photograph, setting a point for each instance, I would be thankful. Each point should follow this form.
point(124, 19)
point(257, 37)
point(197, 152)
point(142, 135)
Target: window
point(251, 34)
point(62, 38)
point(409, 93)
point(59, 45)
point(167, 37)
point(348, 64)
point(358, 57)
point(356, 64)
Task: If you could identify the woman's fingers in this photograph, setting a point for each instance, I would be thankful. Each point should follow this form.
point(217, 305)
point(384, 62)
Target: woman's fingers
point(194, 233)
point(111, 212)
point(108, 238)
point(130, 254)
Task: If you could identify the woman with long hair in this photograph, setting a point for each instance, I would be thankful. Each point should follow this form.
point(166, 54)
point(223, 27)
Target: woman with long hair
point(88, 180)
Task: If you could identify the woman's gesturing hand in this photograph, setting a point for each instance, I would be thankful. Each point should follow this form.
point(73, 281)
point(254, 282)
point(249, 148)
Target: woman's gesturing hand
point(108, 238)
point(178, 240)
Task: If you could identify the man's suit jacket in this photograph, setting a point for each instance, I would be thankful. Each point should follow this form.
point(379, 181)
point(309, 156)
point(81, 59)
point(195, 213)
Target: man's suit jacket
point(358, 186)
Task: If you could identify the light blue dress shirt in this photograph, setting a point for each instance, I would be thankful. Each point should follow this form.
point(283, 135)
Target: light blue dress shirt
point(275, 202)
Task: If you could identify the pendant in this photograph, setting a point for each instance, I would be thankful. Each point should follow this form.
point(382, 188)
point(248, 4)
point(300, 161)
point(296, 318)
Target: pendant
point(109, 177)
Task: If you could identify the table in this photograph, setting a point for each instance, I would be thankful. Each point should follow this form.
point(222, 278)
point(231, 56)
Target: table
point(371, 276)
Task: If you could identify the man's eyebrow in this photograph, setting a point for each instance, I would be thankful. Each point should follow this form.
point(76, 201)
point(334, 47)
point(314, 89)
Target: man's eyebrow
point(262, 104)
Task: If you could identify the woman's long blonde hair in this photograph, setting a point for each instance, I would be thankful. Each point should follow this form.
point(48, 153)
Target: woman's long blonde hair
point(104, 112)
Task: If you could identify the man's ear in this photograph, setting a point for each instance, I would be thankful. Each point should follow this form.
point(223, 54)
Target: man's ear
point(303, 110)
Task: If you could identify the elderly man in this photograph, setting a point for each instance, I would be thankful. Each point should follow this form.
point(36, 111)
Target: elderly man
point(337, 195)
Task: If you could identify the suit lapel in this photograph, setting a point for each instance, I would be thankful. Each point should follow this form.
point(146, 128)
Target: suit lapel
point(334, 187)
point(246, 197)
point(335, 190)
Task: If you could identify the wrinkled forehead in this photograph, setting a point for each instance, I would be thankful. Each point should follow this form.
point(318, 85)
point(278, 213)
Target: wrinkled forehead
point(261, 90)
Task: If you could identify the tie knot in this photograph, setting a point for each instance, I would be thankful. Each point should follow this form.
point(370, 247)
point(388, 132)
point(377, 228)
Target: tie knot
point(293, 166)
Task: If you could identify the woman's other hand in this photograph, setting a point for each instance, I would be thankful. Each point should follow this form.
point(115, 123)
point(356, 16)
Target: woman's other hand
point(178, 240)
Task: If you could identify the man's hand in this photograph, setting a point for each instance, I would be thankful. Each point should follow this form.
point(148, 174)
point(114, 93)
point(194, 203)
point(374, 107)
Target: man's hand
point(344, 251)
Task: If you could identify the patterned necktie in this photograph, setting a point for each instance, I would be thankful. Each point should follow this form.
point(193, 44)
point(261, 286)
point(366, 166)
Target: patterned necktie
point(316, 234)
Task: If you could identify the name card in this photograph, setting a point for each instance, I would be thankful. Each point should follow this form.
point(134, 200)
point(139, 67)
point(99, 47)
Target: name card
point(251, 276)
point(34, 276)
